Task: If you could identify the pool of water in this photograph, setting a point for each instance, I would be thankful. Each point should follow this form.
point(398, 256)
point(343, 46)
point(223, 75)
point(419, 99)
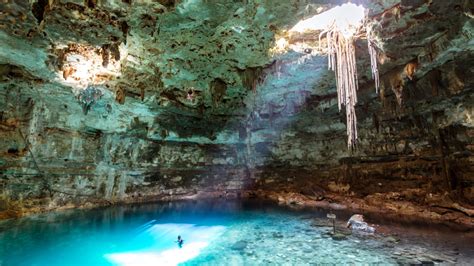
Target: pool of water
point(218, 233)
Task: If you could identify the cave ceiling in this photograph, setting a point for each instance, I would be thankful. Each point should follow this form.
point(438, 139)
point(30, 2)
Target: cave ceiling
point(182, 69)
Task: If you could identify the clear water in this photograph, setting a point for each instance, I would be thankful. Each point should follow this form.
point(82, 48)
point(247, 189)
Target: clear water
point(214, 233)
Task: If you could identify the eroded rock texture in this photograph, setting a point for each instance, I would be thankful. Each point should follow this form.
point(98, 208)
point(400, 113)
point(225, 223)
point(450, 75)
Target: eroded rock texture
point(120, 101)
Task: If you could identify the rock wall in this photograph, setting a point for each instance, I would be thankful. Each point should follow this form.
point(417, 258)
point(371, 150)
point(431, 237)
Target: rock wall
point(414, 155)
point(195, 99)
point(413, 159)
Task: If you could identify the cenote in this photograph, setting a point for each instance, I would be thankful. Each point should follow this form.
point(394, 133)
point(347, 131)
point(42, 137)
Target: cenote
point(247, 127)
point(219, 232)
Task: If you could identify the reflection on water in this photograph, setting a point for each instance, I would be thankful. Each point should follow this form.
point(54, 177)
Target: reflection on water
point(162, 248)
point(214, 233)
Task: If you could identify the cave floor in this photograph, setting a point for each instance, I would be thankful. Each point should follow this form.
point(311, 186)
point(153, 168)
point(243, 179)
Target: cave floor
point(221, 232)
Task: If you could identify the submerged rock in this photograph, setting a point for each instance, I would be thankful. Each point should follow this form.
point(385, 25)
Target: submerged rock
point(392, 239)
point(338, 236)
point(277, 235)
point(426, 262)
point(239, 245)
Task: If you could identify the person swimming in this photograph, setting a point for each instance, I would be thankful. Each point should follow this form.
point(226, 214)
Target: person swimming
point(180, 242)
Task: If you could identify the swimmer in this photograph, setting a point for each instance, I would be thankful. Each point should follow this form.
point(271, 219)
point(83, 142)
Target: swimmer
point(180, 242)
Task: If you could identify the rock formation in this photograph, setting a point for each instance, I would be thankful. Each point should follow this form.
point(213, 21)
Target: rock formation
point(121, 101)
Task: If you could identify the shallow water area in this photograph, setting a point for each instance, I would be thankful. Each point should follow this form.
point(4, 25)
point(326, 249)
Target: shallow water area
point(217, 233)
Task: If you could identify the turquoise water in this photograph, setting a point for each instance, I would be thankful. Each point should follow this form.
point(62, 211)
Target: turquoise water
point(214, 233)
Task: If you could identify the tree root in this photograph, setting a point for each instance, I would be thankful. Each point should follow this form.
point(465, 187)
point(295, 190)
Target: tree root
point(458, 208)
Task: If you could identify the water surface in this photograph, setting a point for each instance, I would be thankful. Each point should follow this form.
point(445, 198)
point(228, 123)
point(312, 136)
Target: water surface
point(217, 233)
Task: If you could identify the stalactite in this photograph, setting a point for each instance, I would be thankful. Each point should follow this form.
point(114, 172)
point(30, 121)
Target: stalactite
point(341, 59)
point(373, 59)
point(88, 97)
point(120, 95)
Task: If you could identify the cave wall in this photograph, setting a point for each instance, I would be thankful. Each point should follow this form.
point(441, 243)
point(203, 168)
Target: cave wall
point(204, 107)
point(419, 151)
point(54, 156)
point(414, 153)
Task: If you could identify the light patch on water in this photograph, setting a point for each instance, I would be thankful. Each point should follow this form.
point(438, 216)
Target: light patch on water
point(164, 250)
point(172, 256)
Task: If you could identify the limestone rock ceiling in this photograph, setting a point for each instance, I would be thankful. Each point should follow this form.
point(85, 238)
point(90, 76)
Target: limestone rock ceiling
point(190, 67)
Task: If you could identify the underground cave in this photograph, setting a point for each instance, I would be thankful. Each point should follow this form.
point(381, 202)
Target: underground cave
point(236, 132)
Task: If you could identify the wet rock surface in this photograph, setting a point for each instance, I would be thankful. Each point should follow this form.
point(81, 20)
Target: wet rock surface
point(195, 104)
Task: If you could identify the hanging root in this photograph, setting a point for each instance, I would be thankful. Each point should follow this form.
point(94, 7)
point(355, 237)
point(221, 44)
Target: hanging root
point(341, 59)
point(373, 59)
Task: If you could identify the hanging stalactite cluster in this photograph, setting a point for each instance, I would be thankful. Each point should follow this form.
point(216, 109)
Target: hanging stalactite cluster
point(342, 60)
point(342, 25)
